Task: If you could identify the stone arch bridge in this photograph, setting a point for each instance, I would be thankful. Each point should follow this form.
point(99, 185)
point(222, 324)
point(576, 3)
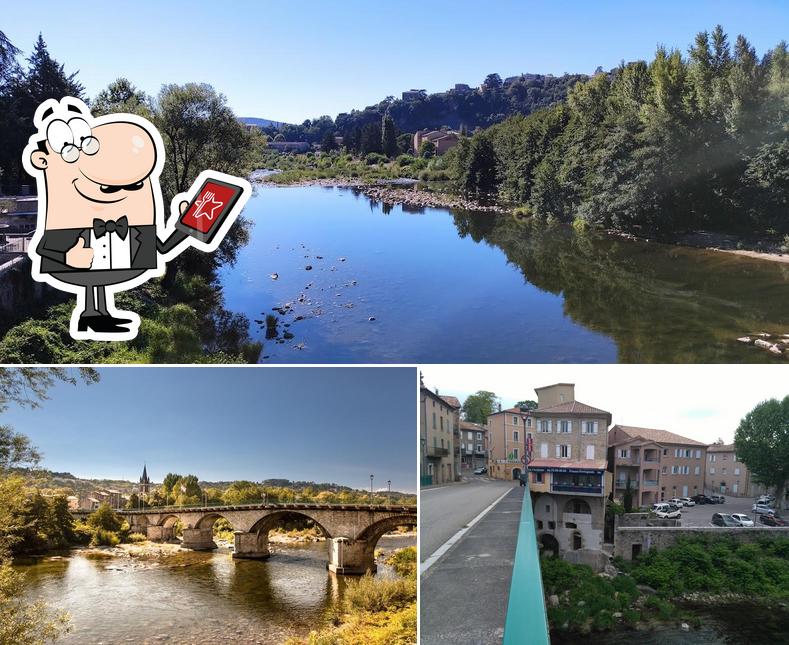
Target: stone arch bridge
point(352, 530)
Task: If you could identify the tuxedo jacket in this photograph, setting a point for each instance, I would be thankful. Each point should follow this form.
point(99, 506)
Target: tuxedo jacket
point(54, 243)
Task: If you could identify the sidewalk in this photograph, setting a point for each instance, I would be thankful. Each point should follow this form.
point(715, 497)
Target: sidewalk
point(464, 595)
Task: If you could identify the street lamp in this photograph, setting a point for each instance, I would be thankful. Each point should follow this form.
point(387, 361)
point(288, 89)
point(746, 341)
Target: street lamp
point(371, 487)
point(389, 490)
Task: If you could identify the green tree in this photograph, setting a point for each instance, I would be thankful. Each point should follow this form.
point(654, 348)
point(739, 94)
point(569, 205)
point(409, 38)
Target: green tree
point(480, 175)
point(627, 499)
point(370, 139)
point(122, 96)
point(762, 444)
point(389, 136)
point(329, 143)
point(527, 404)
point(105, 518)
point(427, 150)
point(478, 406)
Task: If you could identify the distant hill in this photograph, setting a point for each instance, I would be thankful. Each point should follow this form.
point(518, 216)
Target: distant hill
point(52, 480)
point(461, 106)
point(261, 123)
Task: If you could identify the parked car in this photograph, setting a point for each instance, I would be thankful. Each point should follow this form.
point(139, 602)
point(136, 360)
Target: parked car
point(773, 520)
point(699, 499)
point(718, 499)
point(768, 500)
point(762, 509)
point(708, 500)
point(723, 519)
point(687, 501)
point(666, 511)
point(742, 519)
point(678, 501)
point(480, 471)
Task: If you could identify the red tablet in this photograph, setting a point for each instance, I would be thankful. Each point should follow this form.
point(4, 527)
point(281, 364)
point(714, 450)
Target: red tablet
point(209, 209)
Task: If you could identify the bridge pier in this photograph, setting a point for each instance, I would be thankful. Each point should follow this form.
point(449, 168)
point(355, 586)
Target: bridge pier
point(160, 533)
point(250, 546)
point(351, 557)
point(198, 539)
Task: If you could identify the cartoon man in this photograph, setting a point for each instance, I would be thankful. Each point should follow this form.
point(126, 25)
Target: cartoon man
point(100, 211)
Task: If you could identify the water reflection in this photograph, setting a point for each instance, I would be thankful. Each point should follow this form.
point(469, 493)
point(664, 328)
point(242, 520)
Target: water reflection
point(193, 596)
point(413, 284)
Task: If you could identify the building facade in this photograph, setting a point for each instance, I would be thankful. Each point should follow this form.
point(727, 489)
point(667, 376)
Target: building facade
point(507, 434)
point(679, 465)
point(567, 475)
point(726, 475)
point(437, 422)
point(634, 463)
point(473, 446)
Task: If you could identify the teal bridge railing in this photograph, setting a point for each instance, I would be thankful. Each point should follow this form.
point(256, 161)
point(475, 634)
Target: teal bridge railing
point(527, 621)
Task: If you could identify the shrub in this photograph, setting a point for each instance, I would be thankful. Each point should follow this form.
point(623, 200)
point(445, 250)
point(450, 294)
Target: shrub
point(403, 561)
point(135, 538)
point(373, 158)
point(376, 594)
point(102, 537)
point(405, 160)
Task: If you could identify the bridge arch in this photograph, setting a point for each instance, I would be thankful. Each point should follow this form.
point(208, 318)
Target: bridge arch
point(278, 518)
point(167, 520)
point(378, 529)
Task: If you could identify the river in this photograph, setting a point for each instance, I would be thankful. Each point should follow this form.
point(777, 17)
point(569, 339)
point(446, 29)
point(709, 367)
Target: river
point(193, 597)
point(390, 283)
point(725, 625)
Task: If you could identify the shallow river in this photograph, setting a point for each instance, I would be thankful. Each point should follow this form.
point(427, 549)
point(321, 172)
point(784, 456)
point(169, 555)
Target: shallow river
point(193, 597)
point(470, 287)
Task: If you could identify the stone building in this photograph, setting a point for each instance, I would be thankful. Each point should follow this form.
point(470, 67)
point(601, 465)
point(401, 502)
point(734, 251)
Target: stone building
point(724, 474)
point(443, 139)
point(680, 461)
point(473, 446)
point(438, 420)
point(635, 462)
point(507, 432)
point(567, 474)
point(454, 403)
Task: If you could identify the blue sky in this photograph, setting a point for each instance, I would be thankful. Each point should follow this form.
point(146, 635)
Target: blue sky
point(317, 424)
point(292, 60)
point(703, 402)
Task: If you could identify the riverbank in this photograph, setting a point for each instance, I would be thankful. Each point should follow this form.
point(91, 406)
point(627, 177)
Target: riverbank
point(414, 195)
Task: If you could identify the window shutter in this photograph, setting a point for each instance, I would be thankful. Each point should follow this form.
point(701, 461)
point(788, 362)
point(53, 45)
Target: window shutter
point(590, 452)
point(558, 450)
point(595, 427)
point(550, 425)
point(569, 450)
point(544, 450)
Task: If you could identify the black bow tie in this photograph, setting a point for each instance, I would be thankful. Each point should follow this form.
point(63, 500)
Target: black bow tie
point(119, 226)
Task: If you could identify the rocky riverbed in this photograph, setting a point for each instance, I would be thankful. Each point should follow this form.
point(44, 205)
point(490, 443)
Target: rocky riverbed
point(775, 344)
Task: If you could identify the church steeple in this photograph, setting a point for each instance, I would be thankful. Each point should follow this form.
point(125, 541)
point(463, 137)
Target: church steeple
point(145, 483)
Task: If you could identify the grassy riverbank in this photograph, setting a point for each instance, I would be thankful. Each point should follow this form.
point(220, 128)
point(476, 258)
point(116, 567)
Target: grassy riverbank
point(374, 611)
point(658, 587)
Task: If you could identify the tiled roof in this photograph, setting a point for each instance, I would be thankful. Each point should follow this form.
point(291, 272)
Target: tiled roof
point(512, 411)
point(660, 436)
point(573, 407)
point(587, 464)
point(451, 400)
point(468, 425)
point(721, 447)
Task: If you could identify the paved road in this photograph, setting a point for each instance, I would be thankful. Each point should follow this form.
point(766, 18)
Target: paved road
point(464, 594)
point(445, 510)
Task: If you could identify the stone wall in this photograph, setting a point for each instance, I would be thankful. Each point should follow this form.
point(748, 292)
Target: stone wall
point(661, 537)
point(642, 519)
point(18, 290)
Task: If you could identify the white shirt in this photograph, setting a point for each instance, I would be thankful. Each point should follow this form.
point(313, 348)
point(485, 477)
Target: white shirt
point(110, 251)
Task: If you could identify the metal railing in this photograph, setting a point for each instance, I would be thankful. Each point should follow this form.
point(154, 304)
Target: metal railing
point(527, 619)
point(437, 451)
point(576, 488)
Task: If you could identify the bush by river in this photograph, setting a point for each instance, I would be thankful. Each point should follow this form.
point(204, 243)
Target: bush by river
point(673, 586)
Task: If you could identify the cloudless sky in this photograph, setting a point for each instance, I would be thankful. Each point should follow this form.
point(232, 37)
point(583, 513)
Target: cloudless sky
point(314, 424)
point(289, 61)
point(702, 402)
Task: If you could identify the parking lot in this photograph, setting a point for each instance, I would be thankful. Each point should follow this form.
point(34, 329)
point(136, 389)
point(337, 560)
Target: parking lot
point(701, 514)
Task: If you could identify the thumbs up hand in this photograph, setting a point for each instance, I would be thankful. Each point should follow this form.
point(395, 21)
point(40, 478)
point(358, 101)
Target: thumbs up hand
point(80, 256)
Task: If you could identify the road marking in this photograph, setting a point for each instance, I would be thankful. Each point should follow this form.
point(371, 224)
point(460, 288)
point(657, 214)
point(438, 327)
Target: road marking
point(440, 551)
point(427, 490)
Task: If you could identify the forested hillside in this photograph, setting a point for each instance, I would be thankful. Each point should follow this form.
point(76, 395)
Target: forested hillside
point(684, 141)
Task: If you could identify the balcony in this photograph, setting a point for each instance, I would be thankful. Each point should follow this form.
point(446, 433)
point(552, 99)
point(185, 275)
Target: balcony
point(437, 451)
point(649, 484)
point(628, 461)
point(582, 489)
point(622, 483)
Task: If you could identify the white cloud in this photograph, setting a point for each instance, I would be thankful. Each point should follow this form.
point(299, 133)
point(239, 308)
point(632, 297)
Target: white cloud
point(702, 402)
